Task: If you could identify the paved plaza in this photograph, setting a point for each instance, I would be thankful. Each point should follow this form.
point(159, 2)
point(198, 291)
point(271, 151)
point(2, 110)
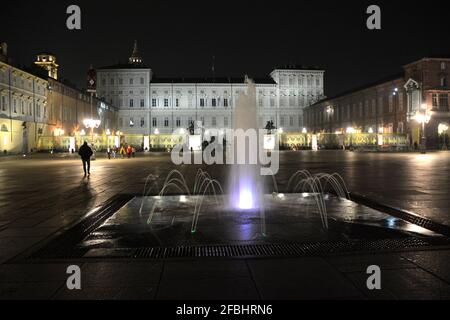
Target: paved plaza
point(43, 194)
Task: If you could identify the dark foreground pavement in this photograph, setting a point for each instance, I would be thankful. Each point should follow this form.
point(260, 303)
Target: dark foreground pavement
point(40, 196)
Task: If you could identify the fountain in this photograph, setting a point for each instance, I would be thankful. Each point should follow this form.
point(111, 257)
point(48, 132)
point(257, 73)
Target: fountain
point(181, 211)
point(245, 186)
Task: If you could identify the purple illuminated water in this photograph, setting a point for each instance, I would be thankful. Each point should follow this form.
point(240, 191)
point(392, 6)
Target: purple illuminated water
point(245, 178)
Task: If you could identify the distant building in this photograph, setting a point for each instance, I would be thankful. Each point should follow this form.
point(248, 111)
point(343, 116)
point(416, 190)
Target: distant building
point(48, 62)
point(38, 112)
point(390, 105)
point(149, 104)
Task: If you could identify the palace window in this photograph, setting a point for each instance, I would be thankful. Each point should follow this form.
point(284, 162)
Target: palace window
point(131, 103)
point(178, 122)
point(142, 103)
point(391, 103)
point(225, 102)
point(434, 99)
point(177, 102)
point(154, 103)
point(166, 122)
point(202, 102)
point(166, 102)
point(131, 81)
point(15, 105)
point(214, 102)
point(443, 82)
point(154, 122)
point(225, 121)
point(142, 122)
point(443, 66)
point(443, 101)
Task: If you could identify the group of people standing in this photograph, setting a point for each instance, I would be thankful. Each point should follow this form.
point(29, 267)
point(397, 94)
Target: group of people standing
point(124, 151)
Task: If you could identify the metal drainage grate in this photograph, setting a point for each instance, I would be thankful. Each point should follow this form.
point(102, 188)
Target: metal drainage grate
point(281, 250)
point(402, 214)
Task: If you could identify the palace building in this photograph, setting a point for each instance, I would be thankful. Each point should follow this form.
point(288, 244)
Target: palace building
point(39, 112)
point(148, 104)
point(395, 105)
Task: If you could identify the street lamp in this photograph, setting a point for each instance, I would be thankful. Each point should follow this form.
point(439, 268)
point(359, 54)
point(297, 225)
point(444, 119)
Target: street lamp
point(91, 124)
point(423, 119)
point(350, 131)
point(108, 134)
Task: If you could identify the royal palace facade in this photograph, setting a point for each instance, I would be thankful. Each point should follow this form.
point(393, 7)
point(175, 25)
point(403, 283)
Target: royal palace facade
point(149, 106)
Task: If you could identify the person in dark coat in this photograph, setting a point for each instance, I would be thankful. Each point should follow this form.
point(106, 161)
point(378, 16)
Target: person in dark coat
point(86, 153)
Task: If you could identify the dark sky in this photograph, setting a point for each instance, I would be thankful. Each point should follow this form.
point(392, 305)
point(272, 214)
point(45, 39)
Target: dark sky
point(247, 37)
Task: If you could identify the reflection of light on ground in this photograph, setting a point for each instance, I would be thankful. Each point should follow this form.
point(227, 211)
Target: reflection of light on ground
point(415, 228)
point(183, 199)
point(281, 196)
point(391, 222)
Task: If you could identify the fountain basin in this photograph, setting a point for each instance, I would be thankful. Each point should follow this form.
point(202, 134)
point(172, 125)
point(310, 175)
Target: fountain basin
point(289, 218)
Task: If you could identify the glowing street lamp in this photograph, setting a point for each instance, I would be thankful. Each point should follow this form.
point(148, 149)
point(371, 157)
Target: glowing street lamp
point(108, 134)
point(370, 130)
point(91, 124)
point(423, 119)
point(350, 131)
point(304, 131)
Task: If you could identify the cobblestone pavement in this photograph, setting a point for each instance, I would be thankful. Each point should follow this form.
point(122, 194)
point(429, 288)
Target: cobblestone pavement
point(42, 194)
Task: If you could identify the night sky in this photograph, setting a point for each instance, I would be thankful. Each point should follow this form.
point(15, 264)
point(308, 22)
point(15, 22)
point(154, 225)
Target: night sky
point(246, 37)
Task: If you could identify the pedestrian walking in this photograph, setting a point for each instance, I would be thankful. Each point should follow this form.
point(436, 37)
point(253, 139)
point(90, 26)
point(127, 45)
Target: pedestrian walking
point(86, 153)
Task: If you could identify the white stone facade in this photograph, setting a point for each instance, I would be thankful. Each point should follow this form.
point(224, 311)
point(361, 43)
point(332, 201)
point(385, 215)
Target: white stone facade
point(148, 104)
